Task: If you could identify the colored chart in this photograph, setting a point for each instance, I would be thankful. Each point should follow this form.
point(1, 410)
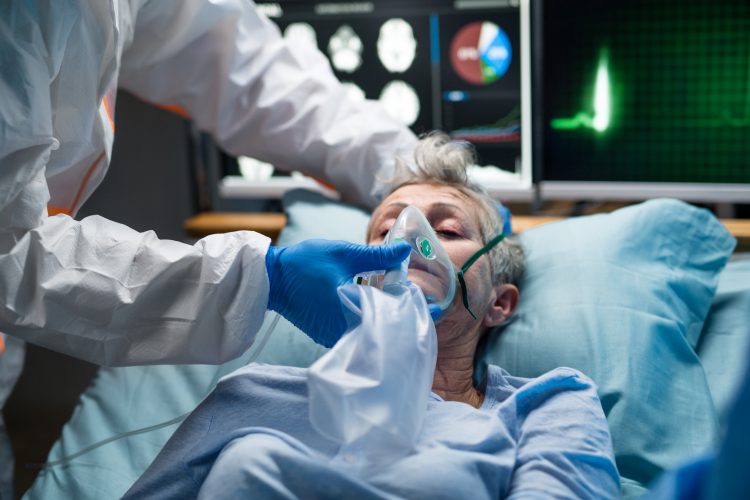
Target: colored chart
point(481, 52)
point(506, 129)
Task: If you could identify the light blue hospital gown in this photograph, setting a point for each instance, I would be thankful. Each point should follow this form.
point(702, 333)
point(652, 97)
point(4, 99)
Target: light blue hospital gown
point(251, 438)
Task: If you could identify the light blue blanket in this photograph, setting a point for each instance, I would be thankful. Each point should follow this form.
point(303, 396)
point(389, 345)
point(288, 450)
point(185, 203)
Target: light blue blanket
point(252, 437)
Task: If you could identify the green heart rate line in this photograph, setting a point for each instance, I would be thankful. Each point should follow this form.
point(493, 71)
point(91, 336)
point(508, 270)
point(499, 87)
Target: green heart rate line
point(601, 117)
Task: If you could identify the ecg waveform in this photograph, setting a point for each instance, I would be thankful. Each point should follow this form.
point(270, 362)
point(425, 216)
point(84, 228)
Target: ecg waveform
point(599, 120)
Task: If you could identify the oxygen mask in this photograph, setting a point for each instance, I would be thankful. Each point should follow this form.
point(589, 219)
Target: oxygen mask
point(428, 265)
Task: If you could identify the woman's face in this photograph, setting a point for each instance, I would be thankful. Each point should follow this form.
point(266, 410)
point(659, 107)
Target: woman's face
point(455, 218)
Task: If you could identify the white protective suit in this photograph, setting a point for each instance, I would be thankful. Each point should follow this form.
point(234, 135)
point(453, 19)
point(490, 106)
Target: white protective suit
point(96, 289)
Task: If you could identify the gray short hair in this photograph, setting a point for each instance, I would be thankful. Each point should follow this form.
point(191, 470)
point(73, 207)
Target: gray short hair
point(438, 160)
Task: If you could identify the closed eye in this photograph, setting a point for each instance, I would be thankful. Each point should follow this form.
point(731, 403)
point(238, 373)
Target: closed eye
point(448, 234)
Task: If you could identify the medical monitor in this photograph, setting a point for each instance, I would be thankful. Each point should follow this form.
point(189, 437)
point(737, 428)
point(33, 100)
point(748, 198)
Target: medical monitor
point(641, 98)
point(461, 66)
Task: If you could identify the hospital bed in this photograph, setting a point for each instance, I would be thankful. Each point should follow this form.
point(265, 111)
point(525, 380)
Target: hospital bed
point(649, 301)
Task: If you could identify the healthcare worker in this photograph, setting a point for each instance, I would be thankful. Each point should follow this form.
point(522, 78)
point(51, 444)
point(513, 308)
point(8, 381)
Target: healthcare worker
point(105, 293)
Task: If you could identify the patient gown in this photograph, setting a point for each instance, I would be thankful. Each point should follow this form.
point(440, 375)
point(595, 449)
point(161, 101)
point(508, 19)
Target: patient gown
point(252, 438)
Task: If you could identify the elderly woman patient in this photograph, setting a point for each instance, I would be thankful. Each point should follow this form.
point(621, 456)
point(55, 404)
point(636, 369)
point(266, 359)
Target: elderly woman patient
point(506, 437)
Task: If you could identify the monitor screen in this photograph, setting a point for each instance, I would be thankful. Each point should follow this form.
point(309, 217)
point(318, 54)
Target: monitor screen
point(455, 66)
point(651, 92)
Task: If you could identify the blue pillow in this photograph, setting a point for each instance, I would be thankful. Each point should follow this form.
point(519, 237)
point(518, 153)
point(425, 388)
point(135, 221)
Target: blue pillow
point(623, 298)
point(312, 215)
point(723, 342)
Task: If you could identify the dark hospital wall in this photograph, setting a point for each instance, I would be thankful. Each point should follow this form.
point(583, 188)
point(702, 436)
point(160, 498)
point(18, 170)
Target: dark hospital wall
point(148, 186)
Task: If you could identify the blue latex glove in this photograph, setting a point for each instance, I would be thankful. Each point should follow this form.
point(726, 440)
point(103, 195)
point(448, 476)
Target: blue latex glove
point(304, 278)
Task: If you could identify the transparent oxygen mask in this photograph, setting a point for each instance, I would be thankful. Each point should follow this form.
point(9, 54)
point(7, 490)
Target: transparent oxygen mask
point(428, 265)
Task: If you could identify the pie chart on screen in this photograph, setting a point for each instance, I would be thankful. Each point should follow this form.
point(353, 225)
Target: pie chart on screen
point(480, 52)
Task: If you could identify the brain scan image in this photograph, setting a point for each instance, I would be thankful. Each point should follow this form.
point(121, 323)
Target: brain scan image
point(253, 169)
point(400, 101)
point(397, 46)
point(301, 32)
point(345, 49)
point(354, 91)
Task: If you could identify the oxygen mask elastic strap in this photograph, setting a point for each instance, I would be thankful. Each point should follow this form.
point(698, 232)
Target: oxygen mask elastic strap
point(464, 293)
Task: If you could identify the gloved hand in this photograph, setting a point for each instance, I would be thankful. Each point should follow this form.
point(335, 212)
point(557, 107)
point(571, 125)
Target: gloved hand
point(304, 279)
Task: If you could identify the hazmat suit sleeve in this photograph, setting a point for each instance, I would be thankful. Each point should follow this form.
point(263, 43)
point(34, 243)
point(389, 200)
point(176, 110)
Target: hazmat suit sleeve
point(96, 289)
point(260, 95)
